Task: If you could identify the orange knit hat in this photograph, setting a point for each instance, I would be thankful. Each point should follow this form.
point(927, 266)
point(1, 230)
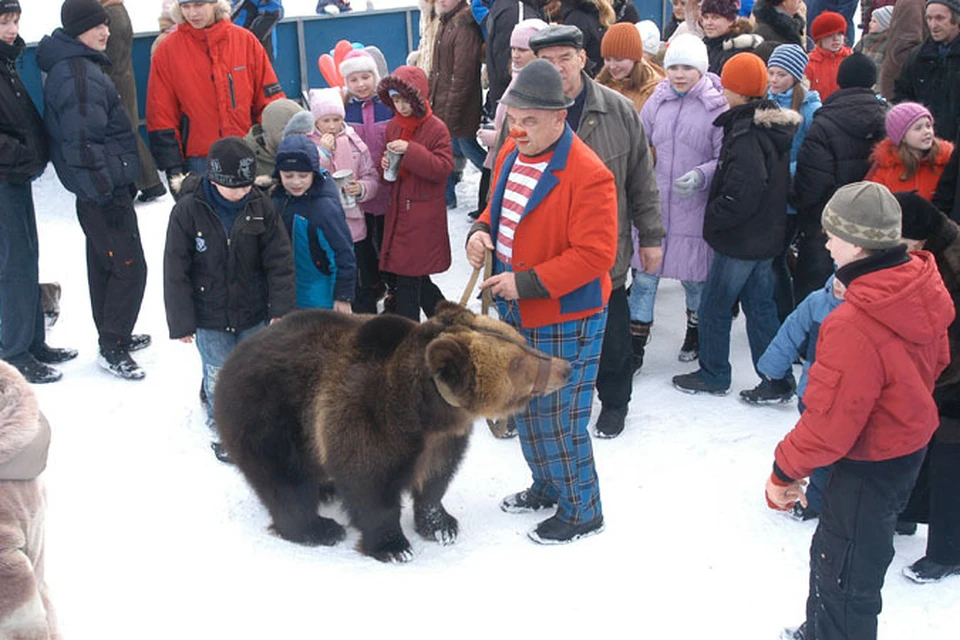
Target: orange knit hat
point(622, 40)
point(745, 74)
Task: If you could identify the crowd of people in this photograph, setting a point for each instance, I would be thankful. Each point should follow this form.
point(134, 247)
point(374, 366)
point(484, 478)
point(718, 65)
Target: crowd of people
point(754, 152)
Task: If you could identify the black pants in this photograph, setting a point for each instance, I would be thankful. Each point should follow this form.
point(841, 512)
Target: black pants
point(21, 318)
point(116, 269)
point(368, 277)
point(853, 545)
point(615, 373)
point(814, 264)
point(417, 292)
point(936, 501)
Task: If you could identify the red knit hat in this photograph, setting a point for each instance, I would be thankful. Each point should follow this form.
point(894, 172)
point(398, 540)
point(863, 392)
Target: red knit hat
point(827, 24)
point(622, 40)
point(745, 74)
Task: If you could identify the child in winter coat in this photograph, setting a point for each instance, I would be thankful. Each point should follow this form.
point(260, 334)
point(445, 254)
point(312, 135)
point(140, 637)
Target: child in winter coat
point(227, 264)
point(678, 119)
point(416, 242)
point(264, 137)
point(25, 608)
point(874, 43)
point(725, 33)
point(342, 149)
point(910, 158)
point(625, 68)
point(827, 31)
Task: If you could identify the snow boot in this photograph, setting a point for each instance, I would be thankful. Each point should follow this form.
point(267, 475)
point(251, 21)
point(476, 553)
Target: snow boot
point(925, 571)
point(693, 383)
point(795, 633)
point(610, 421)
point(53, 355)
point(904, 528)
point(690, 350)
point(525, 502)
point(639, 337)
point(34, 371)
point(769, 391)
point(138, 341)
point(553, 530)
point(118, 362)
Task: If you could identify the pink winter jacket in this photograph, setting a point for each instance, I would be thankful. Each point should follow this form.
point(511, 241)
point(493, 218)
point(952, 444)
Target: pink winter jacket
point(350, 152)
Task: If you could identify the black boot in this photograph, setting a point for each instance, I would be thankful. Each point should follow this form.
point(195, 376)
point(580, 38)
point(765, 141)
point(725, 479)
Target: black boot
point(690, 350)
point(53, 355)
point(639, 337)
point(610, 422)
point(34, 371)
point(117, 361)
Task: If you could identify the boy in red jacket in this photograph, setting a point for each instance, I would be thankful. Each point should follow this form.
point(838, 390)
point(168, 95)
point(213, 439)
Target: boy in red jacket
point(827, 31)
point(870, 409)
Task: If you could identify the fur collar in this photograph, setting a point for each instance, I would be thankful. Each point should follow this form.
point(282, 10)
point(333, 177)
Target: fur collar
point(769, 114)
point(786, 26)
point(887, 156)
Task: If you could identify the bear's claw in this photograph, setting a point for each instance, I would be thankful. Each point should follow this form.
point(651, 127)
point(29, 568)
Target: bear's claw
point(434, 523)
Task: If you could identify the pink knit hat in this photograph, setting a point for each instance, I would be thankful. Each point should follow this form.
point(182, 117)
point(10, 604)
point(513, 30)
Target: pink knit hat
point(902, 117)
point(359, 60)
point(326, 102)
point(523, 30)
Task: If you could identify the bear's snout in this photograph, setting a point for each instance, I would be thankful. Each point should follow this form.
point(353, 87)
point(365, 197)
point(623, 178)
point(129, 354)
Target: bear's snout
point(558, 375)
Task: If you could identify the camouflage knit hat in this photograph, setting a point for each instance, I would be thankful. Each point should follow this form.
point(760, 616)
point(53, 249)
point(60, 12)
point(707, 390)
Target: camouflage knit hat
point(864, 214)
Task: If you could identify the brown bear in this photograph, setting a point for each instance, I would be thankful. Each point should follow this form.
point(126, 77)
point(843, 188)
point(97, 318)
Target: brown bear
point(369, 407)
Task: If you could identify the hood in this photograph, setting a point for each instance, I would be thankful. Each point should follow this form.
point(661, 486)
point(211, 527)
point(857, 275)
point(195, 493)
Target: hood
point(909, 299)
point(850, 110)
point(59, 46)
point(888, 157)
point(24, 433)
point(411, 84)
point(12, 51)
point(297, 145)
point(766, 115)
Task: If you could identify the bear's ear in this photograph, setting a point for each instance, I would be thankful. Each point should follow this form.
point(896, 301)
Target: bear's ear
point(449, 363)
point(449, 314)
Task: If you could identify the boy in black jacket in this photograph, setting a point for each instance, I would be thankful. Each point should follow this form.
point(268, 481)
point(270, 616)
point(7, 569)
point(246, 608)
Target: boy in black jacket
point(745, 222)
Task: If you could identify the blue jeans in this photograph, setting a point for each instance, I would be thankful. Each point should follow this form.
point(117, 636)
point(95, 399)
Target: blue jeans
point(21, 320)
point(214, 347)
point(729, 279)
point(846, 8)
point(643, 293)
point(470, 149)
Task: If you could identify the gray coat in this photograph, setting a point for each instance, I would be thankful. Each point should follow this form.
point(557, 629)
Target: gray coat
point(610, 125)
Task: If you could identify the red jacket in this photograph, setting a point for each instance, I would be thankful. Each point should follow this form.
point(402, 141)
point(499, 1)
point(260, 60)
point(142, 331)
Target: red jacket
point(568, 232)
point(205, 84)
point(870, 392)
point(822, 70)
point(887, 168)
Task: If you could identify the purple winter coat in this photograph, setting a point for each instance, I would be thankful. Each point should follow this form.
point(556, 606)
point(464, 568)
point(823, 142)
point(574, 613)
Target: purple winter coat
point(682, 132)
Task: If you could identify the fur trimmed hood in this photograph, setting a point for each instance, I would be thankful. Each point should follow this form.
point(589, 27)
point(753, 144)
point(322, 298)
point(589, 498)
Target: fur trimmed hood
point(24, 432)
point(411, 84)
point(769, 114)
point(222, 11)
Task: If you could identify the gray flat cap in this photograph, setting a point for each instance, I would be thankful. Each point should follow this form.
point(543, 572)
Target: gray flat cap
point(557, 35)
point(537, 86)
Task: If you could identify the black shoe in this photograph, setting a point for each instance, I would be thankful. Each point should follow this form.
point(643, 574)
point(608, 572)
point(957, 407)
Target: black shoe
point(803, 513)
point(690, 350)
point(639, 338)
point(769, 392)
point(905, 528)
point(220, 452)
point(525, 502)
point(152, 193)
point(610, 421)
point(555, 531)
point(795, 633)
point(473, 215)
point(692, 383)
point(925, 571)
point(138, 341)
point(53, 355)
point(34, 371)
point(118, 362)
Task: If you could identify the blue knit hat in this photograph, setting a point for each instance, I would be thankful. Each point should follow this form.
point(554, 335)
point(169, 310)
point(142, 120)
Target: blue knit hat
point(791, 58)
point(297, 153)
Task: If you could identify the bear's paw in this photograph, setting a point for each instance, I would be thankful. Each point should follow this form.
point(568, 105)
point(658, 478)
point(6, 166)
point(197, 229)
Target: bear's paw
point(320, 532)
point(434, 523)
point(393, 548)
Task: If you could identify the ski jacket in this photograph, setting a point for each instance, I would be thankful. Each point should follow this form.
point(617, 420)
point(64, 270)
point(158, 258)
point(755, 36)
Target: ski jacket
point(23, 142)
point(822, 70)
point(870, 392)
point(565, 243)
point(211, 281)
point(680, 129)
point(887, 169)
point(205, 84)
point(932, 78)
point(503, 16)
point(811, 103)
point(92, 143)
point(455, 73)
point(350, 152)
point(369, 119)
point(746, 213)
point(584, 15)
point(740, 38)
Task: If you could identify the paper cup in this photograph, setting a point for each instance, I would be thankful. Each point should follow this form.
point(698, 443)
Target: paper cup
point(342, 177)
point(391, 172)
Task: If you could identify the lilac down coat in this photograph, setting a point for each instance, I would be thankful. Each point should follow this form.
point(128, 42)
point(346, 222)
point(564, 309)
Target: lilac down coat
point(682, 132)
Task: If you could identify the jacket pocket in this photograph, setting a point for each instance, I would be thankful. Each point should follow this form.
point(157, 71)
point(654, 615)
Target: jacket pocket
point(822, 386)
point(832, 559)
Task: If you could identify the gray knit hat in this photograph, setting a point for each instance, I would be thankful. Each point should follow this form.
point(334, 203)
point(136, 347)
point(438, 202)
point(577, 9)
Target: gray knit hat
point(864, 214)
point(953, 5)
point(537, 86)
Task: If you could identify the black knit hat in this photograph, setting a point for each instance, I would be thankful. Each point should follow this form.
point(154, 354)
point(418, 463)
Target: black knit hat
point(857, 70)
point(9, 6)
point(921, 219)
point(78, 16)
point(231, 163)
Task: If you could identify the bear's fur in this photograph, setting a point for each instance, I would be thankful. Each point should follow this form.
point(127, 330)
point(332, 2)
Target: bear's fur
point(371, 407)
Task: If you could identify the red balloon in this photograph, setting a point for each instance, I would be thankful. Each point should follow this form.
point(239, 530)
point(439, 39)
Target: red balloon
point(341, 50)
point(329, 71)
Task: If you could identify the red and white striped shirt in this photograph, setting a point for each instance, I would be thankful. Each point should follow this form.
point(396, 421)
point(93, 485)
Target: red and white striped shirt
point(523, 178)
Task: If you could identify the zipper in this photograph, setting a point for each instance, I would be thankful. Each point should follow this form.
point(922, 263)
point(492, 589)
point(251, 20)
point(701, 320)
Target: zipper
point(233, 97)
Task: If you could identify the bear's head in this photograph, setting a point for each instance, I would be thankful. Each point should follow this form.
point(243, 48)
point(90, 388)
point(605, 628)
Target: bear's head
point(485, 367)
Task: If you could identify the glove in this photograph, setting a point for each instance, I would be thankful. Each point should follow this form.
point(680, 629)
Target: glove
point(689, 183)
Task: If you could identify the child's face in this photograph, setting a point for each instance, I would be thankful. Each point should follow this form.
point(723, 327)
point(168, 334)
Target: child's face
point(403, 107)
point(919, 136)
point(232, 194)
point(779, 80)
point(874, 25)
point(296, 182)
point(9, 27)
point(332, 124)
point(682, 77)
point(715, 25)
point(678, 9)
point(361, 84)
point(832, 43)
point(842, 252)
point(619, 68)
point(521, 57)
point(839, 289)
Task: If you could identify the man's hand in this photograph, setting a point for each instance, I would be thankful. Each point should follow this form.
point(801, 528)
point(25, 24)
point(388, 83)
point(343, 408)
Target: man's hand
point(477, 247)
point(187, 339)
point(651, 258)
point(503, 285)
point(781, 496)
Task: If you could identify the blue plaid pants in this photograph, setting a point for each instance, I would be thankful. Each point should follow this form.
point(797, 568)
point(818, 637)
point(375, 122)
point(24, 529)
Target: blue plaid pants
point(553, 428)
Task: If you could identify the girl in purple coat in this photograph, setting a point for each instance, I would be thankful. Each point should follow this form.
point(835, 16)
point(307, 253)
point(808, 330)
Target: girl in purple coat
point(678, 119)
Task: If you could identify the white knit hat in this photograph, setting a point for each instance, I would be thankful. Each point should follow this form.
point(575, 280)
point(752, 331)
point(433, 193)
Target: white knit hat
point(650, 34)
point(687, 49)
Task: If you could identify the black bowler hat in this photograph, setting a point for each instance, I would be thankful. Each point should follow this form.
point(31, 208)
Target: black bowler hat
point(537, 86)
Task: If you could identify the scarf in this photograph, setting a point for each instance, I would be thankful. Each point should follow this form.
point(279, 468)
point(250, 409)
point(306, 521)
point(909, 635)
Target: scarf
point(408, 128)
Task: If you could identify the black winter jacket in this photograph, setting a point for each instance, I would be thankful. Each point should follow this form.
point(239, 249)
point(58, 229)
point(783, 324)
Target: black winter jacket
point(740, 38)
point(934, 80)
point(586, 17)
point(92, 143)
point(210, 283)
point(746, 214)
point(625, 11)
point(945, 197)
point(23, 142)
point(836, 150)
point(503, 16)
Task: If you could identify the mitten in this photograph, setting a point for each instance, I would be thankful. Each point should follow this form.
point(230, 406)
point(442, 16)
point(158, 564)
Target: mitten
point(689, 183)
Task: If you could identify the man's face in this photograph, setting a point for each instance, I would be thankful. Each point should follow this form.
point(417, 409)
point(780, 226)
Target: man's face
point(199, 15)
point(9, 27)
point(534, 130)
point(569, 61)
point(941, 24)
point(96, 38)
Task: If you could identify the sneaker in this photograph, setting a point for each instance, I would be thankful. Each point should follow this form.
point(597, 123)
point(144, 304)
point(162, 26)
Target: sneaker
point(138, 341)
point(220, 452)
point(553, 530)
point(152, 193)
point(693, 383)
point(525, 502)
point(925, 571)
point(769, 392)
point(794, 633)
point(34, 371)
point(118, 362)
point(53, 355)
point(690, 349)
point(905, 528)
point(610, 421)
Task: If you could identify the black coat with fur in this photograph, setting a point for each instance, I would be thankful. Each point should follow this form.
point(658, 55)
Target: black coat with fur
point(740, 38)
point(776, 27)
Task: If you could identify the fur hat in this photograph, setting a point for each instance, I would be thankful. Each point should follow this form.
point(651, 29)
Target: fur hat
point(622, 40)
point(359, 60)
point(688, 50)
point(902, 117)
point(745, 74)
point(538, 86)
point(276, 115)
point(883, 16)
point(729, 9)
point(297, 153)
point(231, 163)
point(524, 30)
point(9, 6)
point(864, 214)
point(921, 219)
point(327, 102)
point(791, 58)
point(650, 35)
point(827, 24)
point(79, 16)
point(857, 70)
point(411, 84)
